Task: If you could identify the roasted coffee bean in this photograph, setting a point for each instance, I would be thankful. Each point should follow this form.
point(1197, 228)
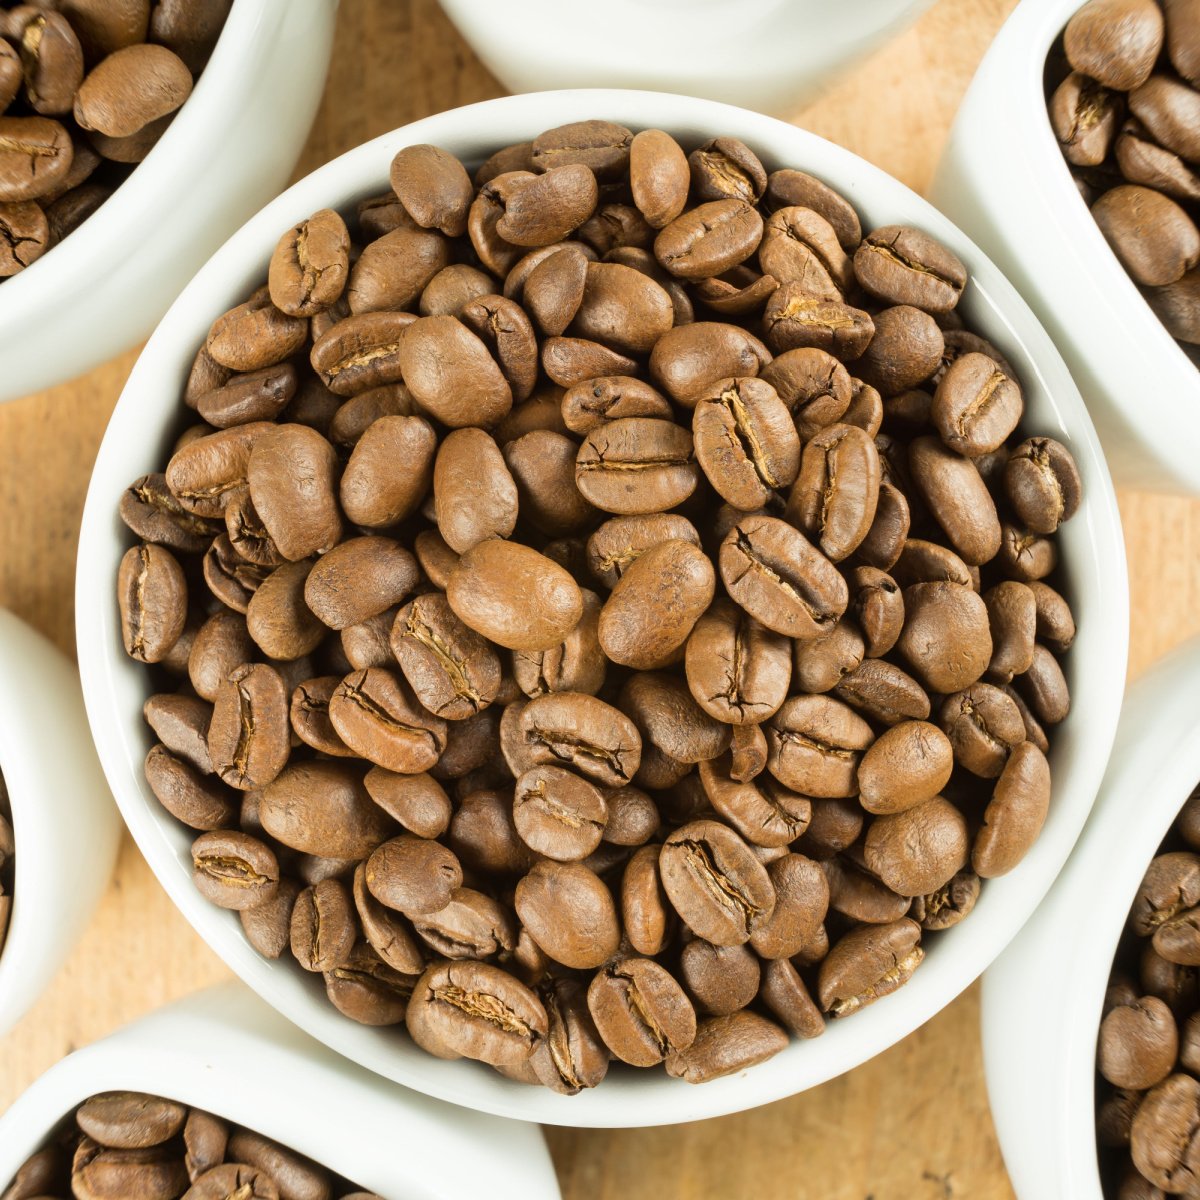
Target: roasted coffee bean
point(475, 1010)
point(362, 351)
point(636, 465)
point(655, 605)
point(1152, 236)
point(976, 405)
point(690, 358)
point(745, 441)
point(640, 1011)
point(801, 902)
point(907, 765)
point(795, 319)
point(559, 814)
point(920, 849)
point(1016, 813)
point(200, 801)
point(1044, 688)
point(249, 737)
point(724, 1045)
point(836, 494)
point(1012, 617)
point(946, 636)
point(901, 265)
point(720, 979)
point(1138, 1044)
point(377, 716)
point(1042, 484)
point(582, 732)
point(130, 1120)
point(821, 663)
point(715, 883)
point(815, 746)
point(277, 618)
point(801, 246)
point(234, 870)
point(884, 692)
point(984, 726)
point(659, 176)
point(570, 913)
point(1085, 116)
point(153, 601)
point(762, 811)
point(709, 239)
point(867, 964)
point(958, 499)
point(906, 350)
point(771, 570)
point(492, 587)
point(1115, 41)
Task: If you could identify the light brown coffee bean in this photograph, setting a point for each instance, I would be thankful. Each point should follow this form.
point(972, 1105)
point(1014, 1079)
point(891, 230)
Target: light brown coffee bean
point(795, 319)
point(763, 812)
point(720, 979)
point(1016, 813)
point(412, 875)
point(709, 239)
point(636, 465)
point(569, 913)
point(658, 176)
point(725, 1045)
point(451, 374)
point(946, 636)
point(640, 1011)
point(1042, 483)
point(692, 357)
point(907, 765)
point(278, 620)
point(153, 596)
point(377, 716)
point(559, 814)
point(249, 737)
point(582, 732)
point(234, 870)
point(902, 265)
point(490, 590)
point(984, 726)
point(837, 491)
point(867, 964)
point(976, 405)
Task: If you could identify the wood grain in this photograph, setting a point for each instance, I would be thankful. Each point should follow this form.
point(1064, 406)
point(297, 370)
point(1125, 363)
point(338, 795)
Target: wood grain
point(911, 1125)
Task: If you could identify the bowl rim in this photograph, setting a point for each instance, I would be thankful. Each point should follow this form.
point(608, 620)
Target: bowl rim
point(1100, 570)
point(64, 823)
point(1050, 1097)
point(225, 1051)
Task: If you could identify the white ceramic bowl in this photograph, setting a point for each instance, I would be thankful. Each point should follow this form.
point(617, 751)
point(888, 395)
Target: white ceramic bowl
point(769, 55)
point(107, 285)
point(1004, 180)
point(1042, 999)
point(226, 1052)
point(138, 440)
point(64, 821)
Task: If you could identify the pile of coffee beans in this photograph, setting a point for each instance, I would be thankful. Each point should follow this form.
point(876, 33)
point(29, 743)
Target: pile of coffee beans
point(1127, 117)
point(1148, 1090)
point(602, 606)
point(126, 1144)
point(7, 861)
point(87, 88)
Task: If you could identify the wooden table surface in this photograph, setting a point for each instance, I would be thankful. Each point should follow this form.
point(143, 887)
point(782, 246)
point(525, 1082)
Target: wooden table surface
point(911, 1125)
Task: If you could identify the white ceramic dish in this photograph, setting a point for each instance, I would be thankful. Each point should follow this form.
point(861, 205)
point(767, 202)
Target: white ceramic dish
point(64, 822)
point(1042, 999)
point(104, 288)
point(768, 55)
point(137, 441)
point(1004, 180)
point(226, 1052)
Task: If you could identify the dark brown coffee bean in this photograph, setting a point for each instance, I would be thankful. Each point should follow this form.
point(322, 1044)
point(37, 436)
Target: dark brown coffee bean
point(35, 157)
point(130, 1120)
point(199, 801)
point(800, 246)
point(646, 917)
point(413, 875)
point(946, 636)
point(883, 692)
point(780, 579)
point(1152, 236)
point(837, 490)
point(720, 979)
point(361, 352)
point(570, 360)
point(621, 540)
point(559, 814)
point(1042, 483)
point(434, 188)
point(920, 849)
point(277, 618)
point(622, 308)
point(477, 1011)
point(790, 187)
point(153, 598)
point(801, 902)
point(601, 145)
point(292, 474)
point(582, 732)
point(715, 883)
point(821, 663)
point(323, 929)
point(976, 405)
point(795, 319)
point(577, 665)
point(958, 498)
point(1085, 117)
point(393, 271)
point(869, 963)
point(725, 1045)
point(1016, 813)
point(152, 1173)
point(906, 350)
point(181, 723)
point(1162, 1141)
point(322, 808)
point(249, 738)
point(1012, 616)
point(902, 265)
point(692, 357)
point(490, 591)
point(234, 870)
